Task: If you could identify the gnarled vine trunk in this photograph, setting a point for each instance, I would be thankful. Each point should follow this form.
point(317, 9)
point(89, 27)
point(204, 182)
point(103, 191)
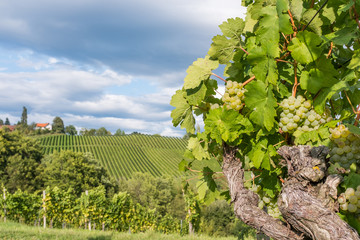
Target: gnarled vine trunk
point(307, 201)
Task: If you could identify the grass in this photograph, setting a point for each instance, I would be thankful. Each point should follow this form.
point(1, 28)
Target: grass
point(12, 231)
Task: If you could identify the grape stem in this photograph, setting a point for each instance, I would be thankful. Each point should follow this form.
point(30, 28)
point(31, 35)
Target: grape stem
point(218, 92)
point(312, 3)
point(331, 47)
point(356, 16)
point(249, 80)
point(244, 50)
point(218, 77)
point(296, 80)
point(347, 97)
point(292, 23)
point(357, 116)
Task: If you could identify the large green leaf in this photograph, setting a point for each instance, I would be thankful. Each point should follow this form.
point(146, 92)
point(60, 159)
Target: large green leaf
point(198, 149)
point(305, 47)
point(223, 48)
point(261, 101)
point(199, 71)
point(264, 66)
point(182, 114)
point(322, 75)
point(223, 125)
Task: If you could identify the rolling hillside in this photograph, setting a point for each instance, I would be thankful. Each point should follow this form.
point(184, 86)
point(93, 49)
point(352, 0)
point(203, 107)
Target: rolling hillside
point(124, 155)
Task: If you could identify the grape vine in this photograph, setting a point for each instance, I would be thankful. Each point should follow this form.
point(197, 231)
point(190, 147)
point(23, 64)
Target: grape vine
point(301, 60)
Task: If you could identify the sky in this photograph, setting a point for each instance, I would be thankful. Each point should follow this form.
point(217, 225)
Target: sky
point(109, 63)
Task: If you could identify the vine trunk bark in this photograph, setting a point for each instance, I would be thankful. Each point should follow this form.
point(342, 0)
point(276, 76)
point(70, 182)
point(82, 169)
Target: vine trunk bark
point(307, 201)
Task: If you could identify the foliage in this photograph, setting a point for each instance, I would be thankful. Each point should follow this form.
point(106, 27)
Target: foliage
point(7, 122)
point(283, 48)
point(63, 208)
point(71, 130)
point(80, 171)
point(119, 132)
point(160, 193)
point(24, 117)
point(58, 125)
point(102, 132)
point(20, 157)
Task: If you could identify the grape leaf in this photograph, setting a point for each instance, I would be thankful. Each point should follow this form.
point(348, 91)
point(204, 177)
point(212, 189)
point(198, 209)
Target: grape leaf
point(183, 165)
point(182, 114)
point(353, 129)
point(355, 60)
point(264, 66)
point(316, 23)
point(195, 96)
point(312, 138)
point(233, 28)
point(268, 30)
point(199, 151)
point(352, 180)
point(223, 49)
point(226, 125)
point(296, 8)
point(326, 93)
point(199, 71)
point(322, 75)
point(282, 6)
point(305, 47)
point(262, 102)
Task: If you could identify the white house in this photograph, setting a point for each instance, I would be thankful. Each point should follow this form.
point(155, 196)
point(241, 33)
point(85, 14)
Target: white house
point(43, 126)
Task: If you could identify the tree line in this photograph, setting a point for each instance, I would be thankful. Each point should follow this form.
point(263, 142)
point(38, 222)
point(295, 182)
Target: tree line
point(57, 126)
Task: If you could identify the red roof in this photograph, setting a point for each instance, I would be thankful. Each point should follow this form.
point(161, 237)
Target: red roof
point(11, 127)
point(42, 124)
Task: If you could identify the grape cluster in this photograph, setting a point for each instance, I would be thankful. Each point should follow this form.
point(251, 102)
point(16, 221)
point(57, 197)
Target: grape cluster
point(214, 106)
point(297, 114)
point(350, 200)
point(345, 148)
point(234, 95)
point(266, 201)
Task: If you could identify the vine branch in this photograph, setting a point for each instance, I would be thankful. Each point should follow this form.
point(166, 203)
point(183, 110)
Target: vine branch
point(218, 77)
point(296, 80)
point(249, 80)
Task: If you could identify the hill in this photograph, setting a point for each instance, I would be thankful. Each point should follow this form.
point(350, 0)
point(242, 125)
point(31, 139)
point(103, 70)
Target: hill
point(124, 155)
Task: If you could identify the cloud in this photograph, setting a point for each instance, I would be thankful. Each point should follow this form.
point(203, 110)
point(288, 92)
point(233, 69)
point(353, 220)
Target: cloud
point(139, 36)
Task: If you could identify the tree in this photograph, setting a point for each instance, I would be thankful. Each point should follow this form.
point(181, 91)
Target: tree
point(80, 171)
point(291, 97)
point(7, 122)
point(119, 132)
point(71, 130)
point(102, 132)
point(58, 125)
point(1, 122)
point(87, 132)
point(24, 117)
point(20, 158)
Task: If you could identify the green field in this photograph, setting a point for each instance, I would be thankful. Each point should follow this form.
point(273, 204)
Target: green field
point(124, 155)
point(16, 231)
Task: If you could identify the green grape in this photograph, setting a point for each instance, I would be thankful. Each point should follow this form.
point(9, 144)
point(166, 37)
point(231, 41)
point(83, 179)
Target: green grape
point(299, 113)
point(344, 144)
point(234, 95)
point(353, 199)
point(352, 208)
point(349, 192)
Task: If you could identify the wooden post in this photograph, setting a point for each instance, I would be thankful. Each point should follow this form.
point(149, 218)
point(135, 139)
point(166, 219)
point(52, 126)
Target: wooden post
point(44, 208)
point(89, 223)
point(4, 196)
